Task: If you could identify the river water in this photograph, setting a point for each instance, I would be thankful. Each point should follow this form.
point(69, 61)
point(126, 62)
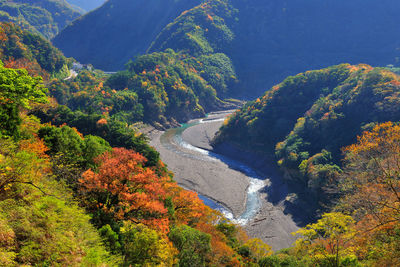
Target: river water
point(173, 141)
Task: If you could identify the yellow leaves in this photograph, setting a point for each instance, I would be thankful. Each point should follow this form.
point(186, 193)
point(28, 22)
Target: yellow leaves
point(19, 167)
point(361, 67)
point(226, 121)
point(258, 248)
point(146, 246)
point(373, 167)
point(7, 244)
point(98, 87)
point(251, 122)
point(300, 123)
point(383, 135)
point(328, 237)
point(144, 84)
point(138, 134)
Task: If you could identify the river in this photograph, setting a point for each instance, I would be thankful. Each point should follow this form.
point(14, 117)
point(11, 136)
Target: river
point(224, 183)
point(172, 139)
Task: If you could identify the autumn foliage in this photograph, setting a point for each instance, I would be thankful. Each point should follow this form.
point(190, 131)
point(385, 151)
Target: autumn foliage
point(370, 190)
point(374, 166)
point(123, 188)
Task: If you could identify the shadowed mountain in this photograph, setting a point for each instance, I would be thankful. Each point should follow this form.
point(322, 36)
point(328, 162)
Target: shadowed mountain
point(118, 31)
point(266, 40)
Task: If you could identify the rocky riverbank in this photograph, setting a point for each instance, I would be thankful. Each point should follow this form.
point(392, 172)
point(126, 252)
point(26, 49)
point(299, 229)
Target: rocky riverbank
point(218, 181)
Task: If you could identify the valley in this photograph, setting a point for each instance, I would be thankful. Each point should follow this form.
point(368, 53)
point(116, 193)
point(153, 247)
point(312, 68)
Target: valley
point(191, 133)
point(224, 183)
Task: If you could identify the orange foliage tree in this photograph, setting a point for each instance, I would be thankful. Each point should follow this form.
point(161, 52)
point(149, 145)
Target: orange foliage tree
point(187, 207)
point(32, 67)
point(124, 189)
point(372, 168)
point(372, 193)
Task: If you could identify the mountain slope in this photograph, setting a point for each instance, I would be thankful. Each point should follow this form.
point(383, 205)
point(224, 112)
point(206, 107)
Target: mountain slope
point(118, 31)
point(23, 49)
point(308, 118)
point(273, 39)
point(266, 40)
point(131, 212)
point(47, 17)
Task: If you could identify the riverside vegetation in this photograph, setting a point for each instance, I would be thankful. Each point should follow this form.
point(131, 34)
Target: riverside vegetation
point(356, 184)
point(130, 210)
point(79, 185)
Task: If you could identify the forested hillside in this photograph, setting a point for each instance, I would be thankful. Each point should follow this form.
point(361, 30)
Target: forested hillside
point(47, 17)
point(87, 190)
point(334, 134)
point(118, 31)
point(265, 40)
point(161, 89)
point(23, 49)
point(308, 118)
point(81, 186)
point(131, 212)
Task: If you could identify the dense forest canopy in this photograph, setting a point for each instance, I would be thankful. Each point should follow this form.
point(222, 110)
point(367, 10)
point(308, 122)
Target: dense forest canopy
point(265, 40)
point(328, 109)
point(130, 211)
point(81, 186)
point(47, 17)
point(84, 188)
point(23, 49)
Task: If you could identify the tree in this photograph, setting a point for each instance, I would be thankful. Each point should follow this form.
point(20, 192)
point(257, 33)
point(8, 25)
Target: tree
point(258, 248)
point(18, 167)
point(72, 146)
point(371, 191)
point(371, 182)
point(193, 245)
point(325, 241)
point(145, 247)
point(17, 91)
point(187, 207)
point(125, 190)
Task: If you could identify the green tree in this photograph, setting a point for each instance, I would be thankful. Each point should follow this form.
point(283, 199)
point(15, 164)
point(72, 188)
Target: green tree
point(73, 147)
point(145, 247)
point(325, 241)
point(17, 91)
point(193, 245)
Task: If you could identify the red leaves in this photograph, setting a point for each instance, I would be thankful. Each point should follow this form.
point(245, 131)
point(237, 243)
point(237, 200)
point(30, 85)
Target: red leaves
point(124, 189)
point(188, 206)
point(127, 190)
